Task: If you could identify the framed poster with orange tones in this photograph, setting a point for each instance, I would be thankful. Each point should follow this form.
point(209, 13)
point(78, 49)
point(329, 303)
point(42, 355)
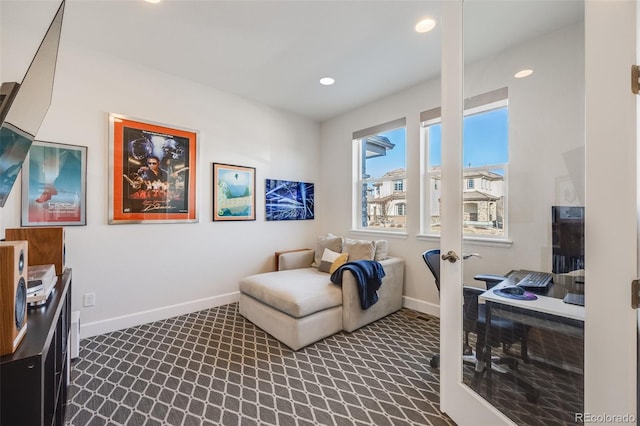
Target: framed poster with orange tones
point(152, 172)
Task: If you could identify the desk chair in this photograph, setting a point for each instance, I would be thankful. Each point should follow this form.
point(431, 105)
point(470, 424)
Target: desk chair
point(503, 332)
point(432, 259)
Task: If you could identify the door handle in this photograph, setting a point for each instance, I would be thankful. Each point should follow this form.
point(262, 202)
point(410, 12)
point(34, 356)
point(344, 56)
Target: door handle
point(451, 256)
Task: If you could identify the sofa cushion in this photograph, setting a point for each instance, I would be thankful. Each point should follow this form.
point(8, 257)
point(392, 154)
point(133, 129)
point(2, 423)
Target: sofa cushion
point(296, 292)
point(330, 241)
point(332, 260)
point(381, 250)
point(359, 249)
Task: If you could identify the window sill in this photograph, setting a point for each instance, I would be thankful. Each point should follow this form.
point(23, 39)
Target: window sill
point(473, 241)
point(399, 234)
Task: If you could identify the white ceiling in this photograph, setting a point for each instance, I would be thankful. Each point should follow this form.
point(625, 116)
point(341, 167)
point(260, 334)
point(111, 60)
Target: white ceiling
point(274, 52)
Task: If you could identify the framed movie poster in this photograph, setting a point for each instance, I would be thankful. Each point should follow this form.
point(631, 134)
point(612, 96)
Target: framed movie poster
point(234, 195)
point(287, 200)
point(54, 185)
point(152, 173)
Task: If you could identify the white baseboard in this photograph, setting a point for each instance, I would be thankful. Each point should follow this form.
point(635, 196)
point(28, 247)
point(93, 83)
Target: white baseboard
point(421, 306)
point(95, 328)
point(131, 320)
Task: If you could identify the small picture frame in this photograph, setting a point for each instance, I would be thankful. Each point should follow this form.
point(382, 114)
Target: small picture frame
point(152, 173)
point(54, 185)
point(289, 200)
point(234, 192)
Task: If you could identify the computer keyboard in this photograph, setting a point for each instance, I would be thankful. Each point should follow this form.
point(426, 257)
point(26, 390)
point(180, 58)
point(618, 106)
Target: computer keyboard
point(574, 299)
point(535, 280)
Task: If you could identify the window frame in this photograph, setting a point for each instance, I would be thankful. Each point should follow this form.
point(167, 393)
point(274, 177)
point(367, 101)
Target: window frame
point(471, 184)
point(486, 102)
point(358, 181)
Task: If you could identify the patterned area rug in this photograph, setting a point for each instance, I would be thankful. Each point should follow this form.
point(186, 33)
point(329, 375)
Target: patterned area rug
point(213, 367)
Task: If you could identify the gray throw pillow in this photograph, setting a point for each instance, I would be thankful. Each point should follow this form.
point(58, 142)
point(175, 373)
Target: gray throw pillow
point(332, 260)
point(381, 250)
point(331, 242)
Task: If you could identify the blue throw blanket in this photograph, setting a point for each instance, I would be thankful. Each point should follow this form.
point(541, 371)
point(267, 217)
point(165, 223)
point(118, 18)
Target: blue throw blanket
point(368, 274)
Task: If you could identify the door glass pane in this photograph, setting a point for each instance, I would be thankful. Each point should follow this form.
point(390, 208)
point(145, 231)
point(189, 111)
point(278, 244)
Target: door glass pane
point(486, 155)
point(523, 198)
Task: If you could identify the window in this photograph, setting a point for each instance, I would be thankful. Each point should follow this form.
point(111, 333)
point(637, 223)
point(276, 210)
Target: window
point(380, 177)
point(485, 156)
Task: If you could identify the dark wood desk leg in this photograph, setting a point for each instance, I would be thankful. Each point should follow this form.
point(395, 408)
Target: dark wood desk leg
point(487, 348)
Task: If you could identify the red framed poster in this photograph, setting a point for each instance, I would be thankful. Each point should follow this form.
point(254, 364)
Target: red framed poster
point(152, 173)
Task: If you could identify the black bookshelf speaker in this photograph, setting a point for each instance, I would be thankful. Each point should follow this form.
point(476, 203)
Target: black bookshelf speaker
point(13, 294)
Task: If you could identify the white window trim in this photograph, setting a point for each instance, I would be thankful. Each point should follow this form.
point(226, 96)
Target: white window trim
point(473, 241)
point(496, 99)
point(358, 181)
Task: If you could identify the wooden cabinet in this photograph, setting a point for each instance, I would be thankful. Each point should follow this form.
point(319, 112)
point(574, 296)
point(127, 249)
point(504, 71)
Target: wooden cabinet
point(34, 379)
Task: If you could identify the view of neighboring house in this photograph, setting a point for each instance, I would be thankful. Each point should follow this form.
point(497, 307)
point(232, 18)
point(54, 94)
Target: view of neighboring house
point(387, 201)
point(483, 198)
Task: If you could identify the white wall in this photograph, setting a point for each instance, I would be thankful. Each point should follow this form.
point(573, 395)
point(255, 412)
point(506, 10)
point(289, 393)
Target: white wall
point(546, 115)
point(145, 272)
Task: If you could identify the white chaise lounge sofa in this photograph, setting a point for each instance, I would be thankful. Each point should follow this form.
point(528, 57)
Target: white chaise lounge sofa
point(299, 305)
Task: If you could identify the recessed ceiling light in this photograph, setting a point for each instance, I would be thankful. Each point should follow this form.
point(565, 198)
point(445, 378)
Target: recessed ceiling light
point(425, 25)
point(327, 81)
point(523, 73)
point(152, 1)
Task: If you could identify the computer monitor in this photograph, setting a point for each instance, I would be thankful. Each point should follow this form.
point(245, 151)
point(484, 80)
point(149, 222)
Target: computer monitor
point(567, 230)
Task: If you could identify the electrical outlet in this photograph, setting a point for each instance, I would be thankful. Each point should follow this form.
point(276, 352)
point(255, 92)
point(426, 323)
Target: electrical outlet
point(89, 299)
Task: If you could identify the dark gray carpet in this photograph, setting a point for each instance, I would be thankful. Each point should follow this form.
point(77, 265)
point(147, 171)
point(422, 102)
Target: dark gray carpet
point(213, 367)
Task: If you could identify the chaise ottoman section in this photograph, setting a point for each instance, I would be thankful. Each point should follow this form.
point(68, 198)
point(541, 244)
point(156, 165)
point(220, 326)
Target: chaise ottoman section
point(297, 306)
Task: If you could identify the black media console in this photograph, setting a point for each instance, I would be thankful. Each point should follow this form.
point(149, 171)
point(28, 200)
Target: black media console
point(34, 379)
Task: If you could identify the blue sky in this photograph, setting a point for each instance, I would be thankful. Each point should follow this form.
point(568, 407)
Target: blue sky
point(486, 141)
point(395, 158)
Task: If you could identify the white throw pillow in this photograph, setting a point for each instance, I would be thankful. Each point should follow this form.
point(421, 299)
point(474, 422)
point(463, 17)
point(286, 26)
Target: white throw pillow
point(331, 260)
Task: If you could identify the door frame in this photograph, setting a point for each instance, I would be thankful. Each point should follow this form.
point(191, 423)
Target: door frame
point(462, 404)
point(610, 357)
point(611, 245)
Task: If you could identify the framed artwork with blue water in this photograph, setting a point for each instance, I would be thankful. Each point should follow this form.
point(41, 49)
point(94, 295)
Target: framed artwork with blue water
point(234, 195)
point(288, 200)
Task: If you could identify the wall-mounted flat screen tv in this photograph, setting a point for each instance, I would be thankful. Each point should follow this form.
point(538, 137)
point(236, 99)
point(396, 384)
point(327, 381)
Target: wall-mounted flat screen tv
point(24, 106)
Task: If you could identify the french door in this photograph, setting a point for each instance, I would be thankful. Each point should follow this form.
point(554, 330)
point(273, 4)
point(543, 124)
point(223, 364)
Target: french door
point(571, 144)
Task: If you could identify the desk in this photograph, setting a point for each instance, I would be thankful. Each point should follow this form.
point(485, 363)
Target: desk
point(548, 311)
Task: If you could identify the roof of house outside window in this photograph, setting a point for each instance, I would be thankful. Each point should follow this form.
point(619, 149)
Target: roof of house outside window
point(476, 195)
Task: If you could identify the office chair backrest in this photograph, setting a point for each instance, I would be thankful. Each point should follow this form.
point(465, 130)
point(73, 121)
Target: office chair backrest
point(432, 259)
